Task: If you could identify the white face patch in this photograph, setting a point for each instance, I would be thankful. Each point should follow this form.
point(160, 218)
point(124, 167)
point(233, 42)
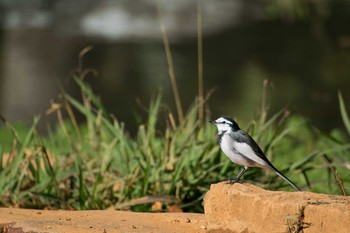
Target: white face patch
point(223, 124)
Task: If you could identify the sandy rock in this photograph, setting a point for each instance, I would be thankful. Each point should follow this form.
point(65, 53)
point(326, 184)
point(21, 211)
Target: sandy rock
point(98, 221)
point(247, 208)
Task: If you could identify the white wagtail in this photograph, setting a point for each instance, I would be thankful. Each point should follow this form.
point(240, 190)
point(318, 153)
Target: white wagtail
point(242, 149)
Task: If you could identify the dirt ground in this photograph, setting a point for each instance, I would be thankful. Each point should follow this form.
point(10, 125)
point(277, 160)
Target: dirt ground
point(228, 208)
point(102, 221)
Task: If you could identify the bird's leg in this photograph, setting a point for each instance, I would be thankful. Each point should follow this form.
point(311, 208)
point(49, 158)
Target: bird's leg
point(237, 179)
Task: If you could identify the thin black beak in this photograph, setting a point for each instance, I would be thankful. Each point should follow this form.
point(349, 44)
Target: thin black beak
point(213, 122)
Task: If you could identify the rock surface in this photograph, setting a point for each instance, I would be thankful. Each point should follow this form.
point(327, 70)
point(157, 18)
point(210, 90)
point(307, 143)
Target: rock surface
point(228, 208)
point(101, 221)
point(247, 208)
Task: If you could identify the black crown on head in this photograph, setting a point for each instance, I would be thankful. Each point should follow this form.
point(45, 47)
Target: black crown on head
point(232, 123)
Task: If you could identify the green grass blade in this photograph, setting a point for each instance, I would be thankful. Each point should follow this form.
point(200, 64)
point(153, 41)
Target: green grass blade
point(95, 100)
point(343, 112)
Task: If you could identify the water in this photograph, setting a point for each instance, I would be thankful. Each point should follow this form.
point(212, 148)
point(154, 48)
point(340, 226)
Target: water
point(306, 60)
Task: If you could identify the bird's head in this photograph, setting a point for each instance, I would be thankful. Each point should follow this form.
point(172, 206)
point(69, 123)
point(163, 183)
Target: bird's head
point(225, 124)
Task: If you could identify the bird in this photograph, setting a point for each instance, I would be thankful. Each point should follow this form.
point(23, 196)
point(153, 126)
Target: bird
point(241, 149)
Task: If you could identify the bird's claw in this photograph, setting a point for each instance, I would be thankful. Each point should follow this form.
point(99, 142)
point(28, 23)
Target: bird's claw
point(232, 181)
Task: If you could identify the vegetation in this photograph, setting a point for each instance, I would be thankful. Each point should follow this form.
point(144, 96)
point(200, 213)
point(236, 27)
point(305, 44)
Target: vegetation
point(98, 165)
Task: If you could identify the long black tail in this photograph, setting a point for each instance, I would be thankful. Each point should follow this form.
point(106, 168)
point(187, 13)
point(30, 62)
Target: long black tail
point(286, 179)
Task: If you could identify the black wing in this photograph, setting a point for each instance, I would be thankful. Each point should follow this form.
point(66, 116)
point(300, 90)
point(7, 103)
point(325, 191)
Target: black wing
point(243, 137)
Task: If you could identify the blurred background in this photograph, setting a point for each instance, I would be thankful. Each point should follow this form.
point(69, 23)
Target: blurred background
point(301, 47)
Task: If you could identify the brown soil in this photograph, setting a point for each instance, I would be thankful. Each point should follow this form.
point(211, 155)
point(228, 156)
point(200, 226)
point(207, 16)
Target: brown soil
point(102, 221)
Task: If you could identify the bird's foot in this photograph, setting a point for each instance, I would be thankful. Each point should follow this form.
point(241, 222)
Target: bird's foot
point(232, 181)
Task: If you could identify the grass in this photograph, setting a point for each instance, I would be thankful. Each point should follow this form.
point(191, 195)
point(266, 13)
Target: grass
point(98, 165)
